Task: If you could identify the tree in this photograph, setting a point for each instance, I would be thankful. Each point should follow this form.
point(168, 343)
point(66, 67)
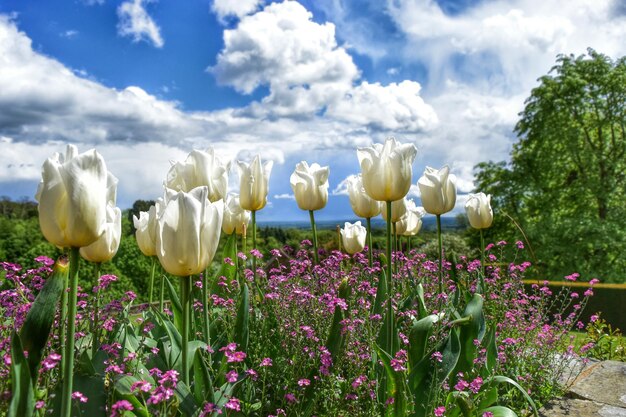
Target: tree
point(565, 182)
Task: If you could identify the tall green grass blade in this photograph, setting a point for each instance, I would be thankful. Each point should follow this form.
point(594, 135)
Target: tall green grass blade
point(474, 330)
point(38, 323)
point(23, 399)
point(177, 308)
point(242, 324)
point(418, 338)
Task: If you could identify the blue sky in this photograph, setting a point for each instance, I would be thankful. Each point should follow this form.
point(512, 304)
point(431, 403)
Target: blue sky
point(145, 82)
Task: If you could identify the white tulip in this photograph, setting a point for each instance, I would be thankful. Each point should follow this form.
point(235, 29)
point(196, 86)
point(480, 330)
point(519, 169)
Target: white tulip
point(387, 169)
point(235, 218)
point(353, 237)
point(310, 185)
point(105, 248)
point(200, 169)
point(411, 223)
point(254, 183)
point(188, 231)
point(438, 190)
point(479, 212)
point(362, 204)
point(73, 196)
point(398, 208)
point(146, 228)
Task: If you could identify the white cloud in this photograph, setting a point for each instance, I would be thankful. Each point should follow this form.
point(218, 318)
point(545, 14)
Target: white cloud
point(309, 74)
point(284, 196)
point(70, 34)
point(135, 22)
point(395, 107)
point(506, 44)
point(342, 187)
point(282, 44)
point(236, 8)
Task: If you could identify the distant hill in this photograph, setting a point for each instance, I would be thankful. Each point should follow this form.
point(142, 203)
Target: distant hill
point(430, 223)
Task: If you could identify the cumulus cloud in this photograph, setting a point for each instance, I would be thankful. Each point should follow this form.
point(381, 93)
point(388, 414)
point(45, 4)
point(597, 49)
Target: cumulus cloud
point(135, 22)
point(284, 196)
point(43, 100)
point(239, 8)
point(395, 107)
point(282, 44)
point(310, 75)
point(507, 44)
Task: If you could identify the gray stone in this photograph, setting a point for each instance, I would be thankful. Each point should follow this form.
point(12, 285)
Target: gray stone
point(574, 407)
point(598, 390)
point(604, 382)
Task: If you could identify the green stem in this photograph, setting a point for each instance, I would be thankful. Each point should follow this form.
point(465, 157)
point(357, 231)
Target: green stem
point(151, 290)
point(482, 262)
point(161, 296)
point(395, 244)
point(95, 334)
point(63, 321)
point(185, 300)
point(369, 241)
point(408, 244)
point(389, 276)
point(254, 243)
point(205, 307)
point(315, 254)
point(68, 377)
point(440, 253)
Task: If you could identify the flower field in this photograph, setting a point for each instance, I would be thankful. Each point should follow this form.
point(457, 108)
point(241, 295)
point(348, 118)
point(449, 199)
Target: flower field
point(296, 331)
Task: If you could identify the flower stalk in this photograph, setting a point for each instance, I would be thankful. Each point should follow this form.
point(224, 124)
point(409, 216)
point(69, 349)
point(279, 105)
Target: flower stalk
point(68, 375)
point(95, 334)
point(185, 300)
point(370, 253)
point(152, 271)
point(315, 254)
point(439, 238)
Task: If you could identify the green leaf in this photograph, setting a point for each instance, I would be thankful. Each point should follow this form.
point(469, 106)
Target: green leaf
point(499, 411)
point(418, 337)
point(242, 324)
point(421, 304)
point(474, 330)
point(424, 373)
point(500, 379)
point(489, 397)
point(23, 399)
point(381, 293)
point(226, 270)
point(492, 350)
point(187, 403)
point(177, 308)
point(202, 384)
point(396, 386)
point(36, 329)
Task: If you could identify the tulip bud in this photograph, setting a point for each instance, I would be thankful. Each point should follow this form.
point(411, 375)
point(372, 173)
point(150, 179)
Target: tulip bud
point(146, 228)
point(479, 212)
point(236, 219)
point(310, 186)
point(188, 231)
point(353, 237)
point(254, 183)
point(398, 208)
point(362, 204)
point(73, 196)
point(105, 248)
point(387, 169)
point(200, 169)
point(438, 190)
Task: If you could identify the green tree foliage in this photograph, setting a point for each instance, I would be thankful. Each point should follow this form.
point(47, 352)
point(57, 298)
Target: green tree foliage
point(565, 182)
